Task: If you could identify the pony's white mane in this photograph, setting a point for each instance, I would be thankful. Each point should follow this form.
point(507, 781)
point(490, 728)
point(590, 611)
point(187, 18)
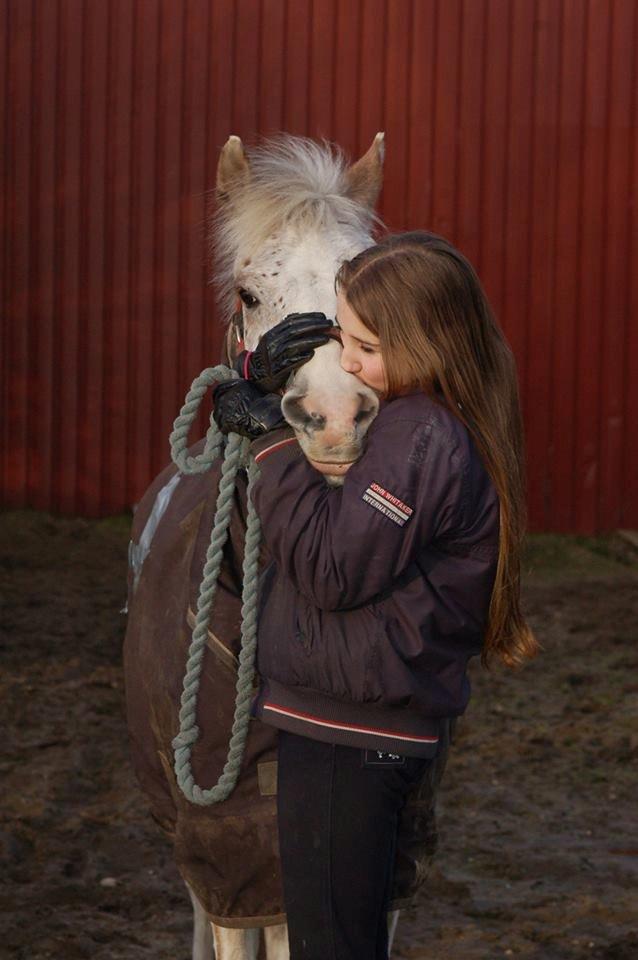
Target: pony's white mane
point(295, 182)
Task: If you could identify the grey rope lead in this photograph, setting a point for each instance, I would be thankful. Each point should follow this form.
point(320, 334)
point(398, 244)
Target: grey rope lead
point(237, 455)
point(183, 422)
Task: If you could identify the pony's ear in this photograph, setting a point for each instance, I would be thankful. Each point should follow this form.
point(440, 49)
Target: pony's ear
point(364, 178)
point(233, 169)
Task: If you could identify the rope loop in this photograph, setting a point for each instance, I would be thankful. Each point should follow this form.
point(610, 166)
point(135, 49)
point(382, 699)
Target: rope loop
point(184, 421)
point(236, 456)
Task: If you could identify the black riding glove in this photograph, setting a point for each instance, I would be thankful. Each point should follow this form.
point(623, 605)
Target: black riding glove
point(240, 407)
point(283, 349)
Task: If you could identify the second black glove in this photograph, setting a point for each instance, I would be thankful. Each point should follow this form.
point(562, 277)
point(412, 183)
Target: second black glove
point(240, 407)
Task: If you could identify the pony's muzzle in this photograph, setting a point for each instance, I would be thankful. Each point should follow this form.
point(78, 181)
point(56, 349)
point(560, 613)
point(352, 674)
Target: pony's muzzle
point(333, 427)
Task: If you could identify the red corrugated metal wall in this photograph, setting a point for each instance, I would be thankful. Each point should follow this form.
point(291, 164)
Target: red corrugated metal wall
point(511, 129)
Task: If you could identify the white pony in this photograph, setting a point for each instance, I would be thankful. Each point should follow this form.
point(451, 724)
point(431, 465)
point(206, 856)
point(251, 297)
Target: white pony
point(289, 213)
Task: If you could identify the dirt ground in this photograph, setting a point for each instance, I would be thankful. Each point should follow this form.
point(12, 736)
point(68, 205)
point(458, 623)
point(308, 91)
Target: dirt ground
point(539, 848)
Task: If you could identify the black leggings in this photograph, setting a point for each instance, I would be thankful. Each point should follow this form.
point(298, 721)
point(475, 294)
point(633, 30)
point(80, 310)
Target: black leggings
point(338, 812)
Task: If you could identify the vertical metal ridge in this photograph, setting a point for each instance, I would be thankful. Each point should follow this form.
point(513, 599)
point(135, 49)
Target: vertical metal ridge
point(39, 412)
point(524, 361)
point(371, 75)
point(207, 265)
point(572, 513)
point(271, 66)
point(132, 352)
point(309, 71)
point(408, 213)
point(395, 79)
point(603, 450)
point(31, 424)
point(158, 222)
point(524, 374)
point(285, 107)
point(118, 451)
point(195, 134)
point(5, 480)
point(506, 154)
point(542, 254)
point(359, 145)
point(108, 343)
point(407, 77)
point(629, 461)
point(58, 260)
point(183, 213)
point(82, 436)
point(18, 264)
point(471, 56)
point(588, 425)
point(457, 125)
point(576, 510)
point(553, 398)
point(555, 53)
point(604, 267)
point(481, 145)
point(616, 279)
point(144, 195)
point(260, 54)
point(127, 297)
point(172, 131)
point(434, 81)
point(384, 105)
point(333, 70)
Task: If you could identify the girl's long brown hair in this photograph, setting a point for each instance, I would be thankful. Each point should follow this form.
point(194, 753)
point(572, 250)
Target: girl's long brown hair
point(436, 331)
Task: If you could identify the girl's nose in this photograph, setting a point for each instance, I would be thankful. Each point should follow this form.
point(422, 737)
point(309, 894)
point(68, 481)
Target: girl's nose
point(348, 363)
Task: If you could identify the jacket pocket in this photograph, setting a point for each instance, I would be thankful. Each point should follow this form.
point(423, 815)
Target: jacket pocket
point(344, 654)
point(339, 653)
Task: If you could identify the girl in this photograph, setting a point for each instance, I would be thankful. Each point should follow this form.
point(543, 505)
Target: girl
point(381, 590)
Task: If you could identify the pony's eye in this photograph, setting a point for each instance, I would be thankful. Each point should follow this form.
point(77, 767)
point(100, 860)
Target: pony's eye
point(247, 298)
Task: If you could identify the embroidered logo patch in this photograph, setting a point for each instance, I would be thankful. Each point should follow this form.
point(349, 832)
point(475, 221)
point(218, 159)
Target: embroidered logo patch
point(387, 504)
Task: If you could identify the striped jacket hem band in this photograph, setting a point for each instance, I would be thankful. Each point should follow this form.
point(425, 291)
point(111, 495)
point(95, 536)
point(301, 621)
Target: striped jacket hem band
point(354, 728)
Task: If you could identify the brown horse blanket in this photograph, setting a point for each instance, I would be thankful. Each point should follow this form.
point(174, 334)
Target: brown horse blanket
point(227, 852)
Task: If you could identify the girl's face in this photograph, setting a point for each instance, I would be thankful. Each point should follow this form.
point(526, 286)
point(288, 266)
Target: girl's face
point(361, 351)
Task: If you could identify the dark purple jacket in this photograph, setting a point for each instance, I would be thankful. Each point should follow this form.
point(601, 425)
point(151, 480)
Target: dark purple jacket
point(379, 590)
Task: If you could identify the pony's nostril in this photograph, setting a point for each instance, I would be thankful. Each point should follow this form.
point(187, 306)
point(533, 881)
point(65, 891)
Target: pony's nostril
point(317, 420)
point(292, 407)
point(364, 415)
point(297, 415)
point(368, 409)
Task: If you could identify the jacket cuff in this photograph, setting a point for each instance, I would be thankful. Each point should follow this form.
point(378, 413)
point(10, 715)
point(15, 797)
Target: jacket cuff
point(280, 441)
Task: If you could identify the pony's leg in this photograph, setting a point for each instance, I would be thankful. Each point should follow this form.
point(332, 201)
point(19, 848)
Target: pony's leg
point(202, 933)
point(393, 919)
point(276, 941)
point(236, 943)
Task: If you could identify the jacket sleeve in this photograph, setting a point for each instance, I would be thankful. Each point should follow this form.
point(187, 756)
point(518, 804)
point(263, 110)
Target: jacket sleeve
point(342, 546)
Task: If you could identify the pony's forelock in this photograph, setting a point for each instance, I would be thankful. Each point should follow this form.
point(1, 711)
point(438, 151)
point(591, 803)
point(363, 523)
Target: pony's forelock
point(294, 182)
